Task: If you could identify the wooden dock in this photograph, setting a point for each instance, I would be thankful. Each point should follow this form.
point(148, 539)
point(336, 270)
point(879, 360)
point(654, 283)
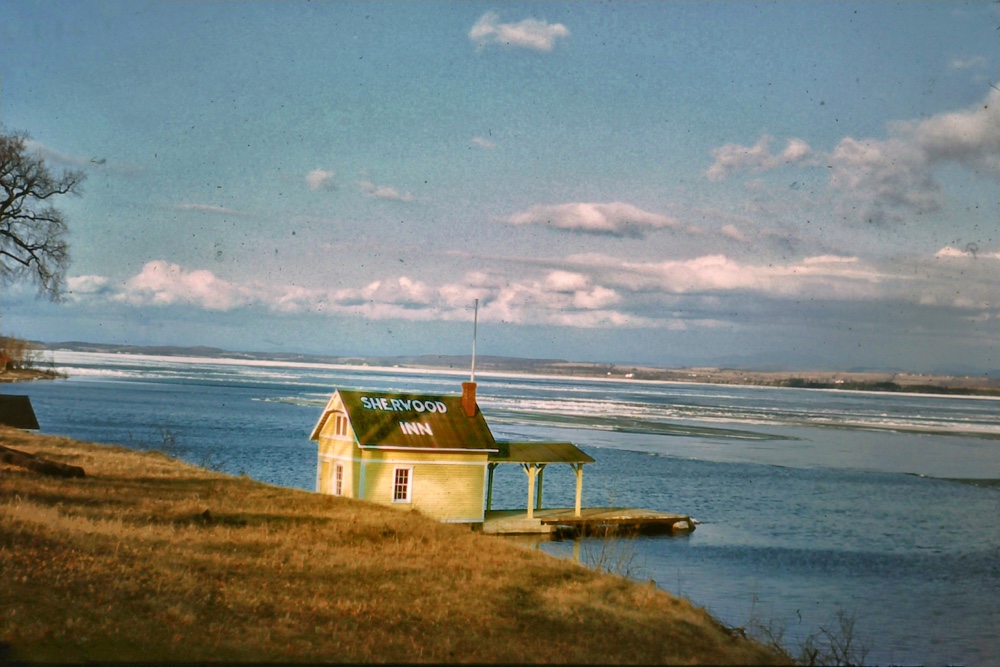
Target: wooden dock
point(591, 521)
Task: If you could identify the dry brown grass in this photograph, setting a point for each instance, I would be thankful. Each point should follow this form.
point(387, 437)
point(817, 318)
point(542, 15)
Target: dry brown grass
point(150, 559)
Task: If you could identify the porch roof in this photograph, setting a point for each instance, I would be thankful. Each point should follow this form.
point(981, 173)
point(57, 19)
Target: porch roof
point(539, 452)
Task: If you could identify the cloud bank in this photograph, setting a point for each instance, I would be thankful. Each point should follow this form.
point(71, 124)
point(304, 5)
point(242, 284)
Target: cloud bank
point(584, 291)
point(885, 181)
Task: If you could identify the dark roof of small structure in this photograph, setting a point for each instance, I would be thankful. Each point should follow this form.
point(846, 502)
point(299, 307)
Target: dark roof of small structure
point(413, 421)
point(16, 411)
point(539, 452)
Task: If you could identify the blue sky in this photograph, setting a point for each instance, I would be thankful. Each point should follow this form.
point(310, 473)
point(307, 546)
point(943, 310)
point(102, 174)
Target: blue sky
point(801, 184)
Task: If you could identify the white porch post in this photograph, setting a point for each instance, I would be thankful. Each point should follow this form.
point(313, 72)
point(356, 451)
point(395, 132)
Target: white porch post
point(541, 475)
point(489, 487)
point(578, 469)
point(531, 471)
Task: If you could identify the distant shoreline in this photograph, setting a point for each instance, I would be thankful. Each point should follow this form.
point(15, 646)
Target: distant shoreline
point(27, 375)
point(889, 382)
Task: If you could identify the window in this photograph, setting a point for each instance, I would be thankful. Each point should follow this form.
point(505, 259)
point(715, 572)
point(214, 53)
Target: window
point(401, 485)
point(338, 480)
point(340, 427)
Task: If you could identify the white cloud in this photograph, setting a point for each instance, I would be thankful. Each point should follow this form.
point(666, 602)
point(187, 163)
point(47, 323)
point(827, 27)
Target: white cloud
point(822, 277)
point(566, 281)
point(974, 62)
point(83, 286)
point(795, 151)
point(970, 251)
point(731, 158)
point(949, 251)
point(206, 208)
point(383, 192)
point(52, 155)
point(560, 299)
point(595, 298)
point(164, 283)
point(970, 137)
point(611, 219)
point(398, 291)
point(881, 178)
point(483, 143)
point(829, 259)
point(529, 33)
point(319, 179)
point(733, 232)
point(885, 180)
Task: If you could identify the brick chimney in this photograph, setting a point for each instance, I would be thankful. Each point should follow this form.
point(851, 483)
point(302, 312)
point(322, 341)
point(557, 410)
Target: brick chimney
point(469, 398)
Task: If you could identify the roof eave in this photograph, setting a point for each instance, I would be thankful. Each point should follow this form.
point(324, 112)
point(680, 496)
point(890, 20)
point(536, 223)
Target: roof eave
point(403, 448)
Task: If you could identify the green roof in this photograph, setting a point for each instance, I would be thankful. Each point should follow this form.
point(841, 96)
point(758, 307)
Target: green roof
point(414, 421)
point(539, 452)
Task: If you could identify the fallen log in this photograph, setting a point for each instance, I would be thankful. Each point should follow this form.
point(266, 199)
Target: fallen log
point(21, 459)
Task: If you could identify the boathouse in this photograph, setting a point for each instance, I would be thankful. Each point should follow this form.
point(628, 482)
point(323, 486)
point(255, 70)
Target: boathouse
point(431, 453)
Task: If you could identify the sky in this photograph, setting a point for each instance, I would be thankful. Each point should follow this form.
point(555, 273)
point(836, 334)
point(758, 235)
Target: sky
point(790, 185)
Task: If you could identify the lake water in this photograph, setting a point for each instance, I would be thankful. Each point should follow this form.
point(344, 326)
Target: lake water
point(810, 502)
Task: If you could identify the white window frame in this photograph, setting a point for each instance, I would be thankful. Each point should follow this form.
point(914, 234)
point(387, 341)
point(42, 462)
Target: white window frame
point(408, 488)
point(338, 479)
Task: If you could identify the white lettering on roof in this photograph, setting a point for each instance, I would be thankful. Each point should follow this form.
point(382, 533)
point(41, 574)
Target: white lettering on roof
point(402, 405)
point(415, 428)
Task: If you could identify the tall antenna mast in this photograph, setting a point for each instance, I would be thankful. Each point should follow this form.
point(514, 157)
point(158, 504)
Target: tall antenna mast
point(475, 326)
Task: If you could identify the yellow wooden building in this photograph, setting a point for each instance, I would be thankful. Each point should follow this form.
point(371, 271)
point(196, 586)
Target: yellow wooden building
point(431, 453)
point(423, 452)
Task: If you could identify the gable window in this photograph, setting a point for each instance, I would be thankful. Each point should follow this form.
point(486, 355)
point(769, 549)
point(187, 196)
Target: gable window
point(340, 427)
point(401, 485)
point(338, 480)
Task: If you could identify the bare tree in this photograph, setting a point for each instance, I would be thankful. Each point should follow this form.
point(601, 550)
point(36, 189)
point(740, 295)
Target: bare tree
point(33, 231)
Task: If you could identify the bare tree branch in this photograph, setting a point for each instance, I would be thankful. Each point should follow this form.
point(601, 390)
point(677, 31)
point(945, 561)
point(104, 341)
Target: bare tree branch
point(33, 232)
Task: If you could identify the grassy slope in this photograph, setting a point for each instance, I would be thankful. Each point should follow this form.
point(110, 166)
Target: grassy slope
point(126, 564)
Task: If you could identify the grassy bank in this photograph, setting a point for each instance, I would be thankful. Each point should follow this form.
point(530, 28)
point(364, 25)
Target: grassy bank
point(147, 558)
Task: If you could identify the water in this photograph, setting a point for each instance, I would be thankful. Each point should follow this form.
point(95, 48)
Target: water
point(810, 502)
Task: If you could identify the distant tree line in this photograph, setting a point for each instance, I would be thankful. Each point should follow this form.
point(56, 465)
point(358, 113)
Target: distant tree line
point(17, 354)
point(802, 383)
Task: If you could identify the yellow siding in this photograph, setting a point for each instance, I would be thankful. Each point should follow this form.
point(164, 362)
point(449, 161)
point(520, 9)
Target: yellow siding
point(335, 449)
point(445, 486)
point(325, 477)
point(332, 452)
